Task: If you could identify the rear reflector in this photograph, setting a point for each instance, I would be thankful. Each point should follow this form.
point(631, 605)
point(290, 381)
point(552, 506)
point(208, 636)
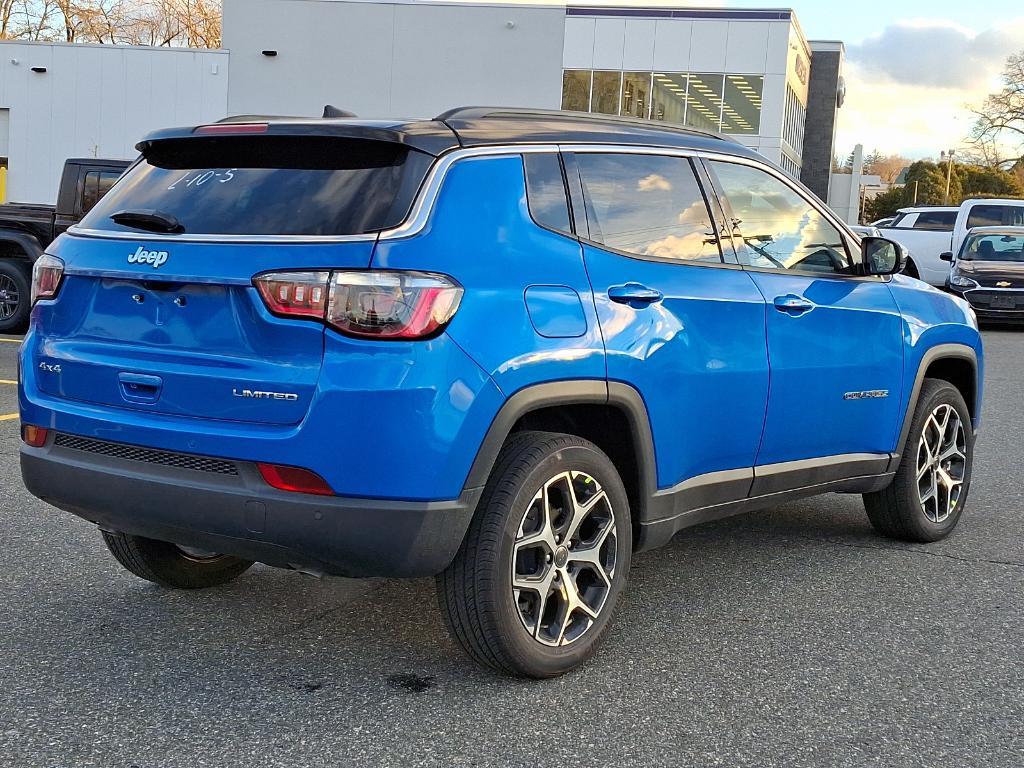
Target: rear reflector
point(33, 436)
point(231, 129)
point(294, 479)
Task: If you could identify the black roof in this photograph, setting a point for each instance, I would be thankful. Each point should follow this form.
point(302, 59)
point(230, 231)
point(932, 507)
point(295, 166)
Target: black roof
point(484, 126)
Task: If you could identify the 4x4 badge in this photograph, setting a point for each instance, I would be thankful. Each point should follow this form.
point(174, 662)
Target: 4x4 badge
point(154, 258)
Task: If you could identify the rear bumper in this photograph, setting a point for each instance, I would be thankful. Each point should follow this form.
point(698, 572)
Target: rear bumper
point(239, 514)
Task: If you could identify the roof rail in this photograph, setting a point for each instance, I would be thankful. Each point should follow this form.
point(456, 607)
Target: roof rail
point(483, 113)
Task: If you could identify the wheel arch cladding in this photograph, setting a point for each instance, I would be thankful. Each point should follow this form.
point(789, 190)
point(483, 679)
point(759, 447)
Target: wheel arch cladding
point(612, 416)
point(962, 373)
point(956, 363)
point(20, 246)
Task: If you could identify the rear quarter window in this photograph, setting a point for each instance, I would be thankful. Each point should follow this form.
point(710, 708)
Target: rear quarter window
point(270, 185)
point(995, 216)
point(545, 191)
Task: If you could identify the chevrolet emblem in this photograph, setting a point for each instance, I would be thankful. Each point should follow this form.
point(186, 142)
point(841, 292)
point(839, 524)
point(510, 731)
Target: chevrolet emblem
point(1002, 284)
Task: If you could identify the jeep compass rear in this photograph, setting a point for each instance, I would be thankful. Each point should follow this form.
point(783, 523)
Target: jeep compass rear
point(503, 348)
point(213, 363)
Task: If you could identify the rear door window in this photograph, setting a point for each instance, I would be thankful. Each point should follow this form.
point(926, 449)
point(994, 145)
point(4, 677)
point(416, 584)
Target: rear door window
point(648, 205)
point(97, 184)
point(270, 185)
point(939, 221)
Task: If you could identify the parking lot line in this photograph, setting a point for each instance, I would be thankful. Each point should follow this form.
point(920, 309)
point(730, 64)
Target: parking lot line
point(7, 381)
point(12, 341)
point(8, 417)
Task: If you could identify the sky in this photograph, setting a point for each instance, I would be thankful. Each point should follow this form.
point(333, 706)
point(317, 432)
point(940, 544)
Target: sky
point(913, 67)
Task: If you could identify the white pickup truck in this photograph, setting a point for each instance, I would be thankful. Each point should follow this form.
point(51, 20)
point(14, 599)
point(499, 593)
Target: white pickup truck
point(927, 233)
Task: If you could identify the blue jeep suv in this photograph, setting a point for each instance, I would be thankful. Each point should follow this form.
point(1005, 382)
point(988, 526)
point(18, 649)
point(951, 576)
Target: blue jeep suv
point(506, 348)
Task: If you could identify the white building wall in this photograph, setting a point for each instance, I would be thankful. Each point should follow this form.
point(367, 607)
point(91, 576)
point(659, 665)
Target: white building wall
point(391, 59)
point(97, 101)
point(709, 46)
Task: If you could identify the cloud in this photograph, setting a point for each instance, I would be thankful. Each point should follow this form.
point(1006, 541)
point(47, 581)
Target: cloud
point(911, 88)
point(654, 182)
point(895, 117)
point(938, 54)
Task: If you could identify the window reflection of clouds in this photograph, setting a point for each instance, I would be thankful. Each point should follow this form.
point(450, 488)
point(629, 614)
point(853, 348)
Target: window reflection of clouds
point(649, 205)
point(654, 181)
point(778, 227)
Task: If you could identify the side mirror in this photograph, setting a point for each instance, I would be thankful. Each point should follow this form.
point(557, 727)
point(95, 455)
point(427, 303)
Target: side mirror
point(882, 257)
point(947, 256)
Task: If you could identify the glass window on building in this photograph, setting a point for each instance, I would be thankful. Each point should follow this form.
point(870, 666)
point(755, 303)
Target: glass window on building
point(576, 90)
point(636, 94)
point(668, 97)
point(704, 102)
point(725, 103)
point(741, 113)
point(794, 119)
point(604, 98)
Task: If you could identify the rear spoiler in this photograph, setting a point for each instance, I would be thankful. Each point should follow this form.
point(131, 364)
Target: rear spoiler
point(431, 137)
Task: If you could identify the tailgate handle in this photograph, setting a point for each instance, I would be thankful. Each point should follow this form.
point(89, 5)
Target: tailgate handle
point(140, 388)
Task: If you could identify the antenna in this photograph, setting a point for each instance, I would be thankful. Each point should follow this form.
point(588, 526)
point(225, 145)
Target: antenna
point(330, 111)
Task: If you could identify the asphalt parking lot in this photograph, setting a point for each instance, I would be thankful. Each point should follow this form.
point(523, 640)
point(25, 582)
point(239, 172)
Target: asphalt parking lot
point(794, 637)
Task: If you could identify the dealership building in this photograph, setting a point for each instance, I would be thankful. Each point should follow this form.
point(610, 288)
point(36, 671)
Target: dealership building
point(748, 73)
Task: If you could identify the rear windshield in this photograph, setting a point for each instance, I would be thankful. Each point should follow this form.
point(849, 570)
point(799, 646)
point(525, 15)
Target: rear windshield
point(269, 185)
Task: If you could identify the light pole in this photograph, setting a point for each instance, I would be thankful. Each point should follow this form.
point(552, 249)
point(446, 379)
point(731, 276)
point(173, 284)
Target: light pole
point(949, 173)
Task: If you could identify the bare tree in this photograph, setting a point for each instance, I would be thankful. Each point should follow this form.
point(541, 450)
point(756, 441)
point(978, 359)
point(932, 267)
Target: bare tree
point(889, 167)
point(1000, 120)
point(199, 21)
point(7, 18)
point(193, 23)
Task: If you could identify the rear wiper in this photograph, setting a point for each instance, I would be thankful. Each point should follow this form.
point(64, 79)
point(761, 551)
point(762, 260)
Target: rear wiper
point(149, 220)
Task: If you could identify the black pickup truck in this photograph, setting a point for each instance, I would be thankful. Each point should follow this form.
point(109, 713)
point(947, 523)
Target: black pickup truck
point(25, 230)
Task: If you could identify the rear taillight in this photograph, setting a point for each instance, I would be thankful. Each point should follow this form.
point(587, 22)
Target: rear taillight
point(33, 436)
point(369, 305)
point(294, 479)
point(46, 277)
point(295, 294)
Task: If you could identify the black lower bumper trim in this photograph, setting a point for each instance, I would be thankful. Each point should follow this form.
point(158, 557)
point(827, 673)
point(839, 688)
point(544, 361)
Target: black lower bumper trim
point(240, 515)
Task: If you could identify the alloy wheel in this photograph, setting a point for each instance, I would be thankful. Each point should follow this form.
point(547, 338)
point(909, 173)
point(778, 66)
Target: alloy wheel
point(9, 297)
point(564, 558)
point(941, 463)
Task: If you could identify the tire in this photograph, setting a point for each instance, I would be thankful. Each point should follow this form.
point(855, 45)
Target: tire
point(171, 566)
point(929, 508)
point(532, 631)
point(15, 296)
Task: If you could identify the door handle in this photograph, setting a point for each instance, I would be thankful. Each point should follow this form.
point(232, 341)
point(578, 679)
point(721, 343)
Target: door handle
point(140, 388)
point(793, 305)
point(634, 294)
